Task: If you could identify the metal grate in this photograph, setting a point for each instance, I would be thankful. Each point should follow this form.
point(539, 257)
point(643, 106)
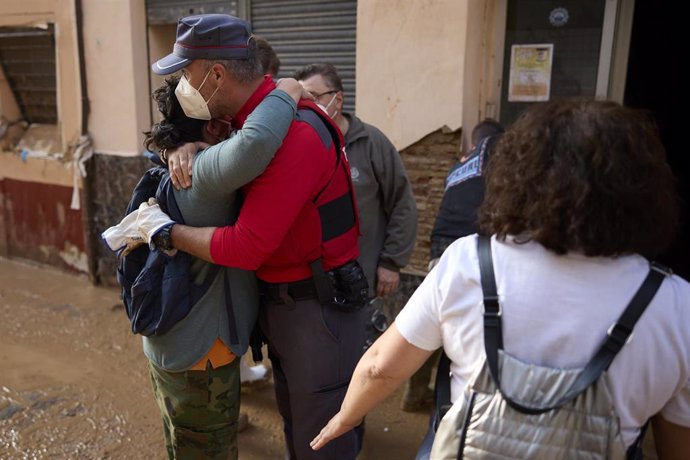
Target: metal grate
point(308, 31)
point(169, 11)
point(27, 57)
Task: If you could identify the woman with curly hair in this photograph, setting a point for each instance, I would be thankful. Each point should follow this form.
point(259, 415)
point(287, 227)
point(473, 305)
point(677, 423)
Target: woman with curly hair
point(578, 197)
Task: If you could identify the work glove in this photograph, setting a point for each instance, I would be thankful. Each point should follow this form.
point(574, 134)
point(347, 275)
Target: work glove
point(151, 220)
point(124, 237)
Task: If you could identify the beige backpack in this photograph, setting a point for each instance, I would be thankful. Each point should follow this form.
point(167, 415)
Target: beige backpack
point(515, 410)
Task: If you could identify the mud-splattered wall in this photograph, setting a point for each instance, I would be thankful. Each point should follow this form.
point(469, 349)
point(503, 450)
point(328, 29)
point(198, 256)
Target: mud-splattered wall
point(36, 223)
point(113, 179)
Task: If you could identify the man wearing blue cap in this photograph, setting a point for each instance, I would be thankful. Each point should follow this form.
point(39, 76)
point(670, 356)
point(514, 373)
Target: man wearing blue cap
point(297, 229)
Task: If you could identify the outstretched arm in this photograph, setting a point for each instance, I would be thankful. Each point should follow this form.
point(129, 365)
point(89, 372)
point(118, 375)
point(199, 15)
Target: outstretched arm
point(672, 441)
point(386, 365)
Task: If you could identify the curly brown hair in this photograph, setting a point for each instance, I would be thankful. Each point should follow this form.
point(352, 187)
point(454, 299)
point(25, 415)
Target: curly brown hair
point(584, 176)
point(175, 128)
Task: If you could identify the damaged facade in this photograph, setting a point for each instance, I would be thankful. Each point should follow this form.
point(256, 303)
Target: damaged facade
point(422, 72)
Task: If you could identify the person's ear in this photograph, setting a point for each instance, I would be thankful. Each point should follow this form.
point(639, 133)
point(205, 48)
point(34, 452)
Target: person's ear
point(218, 72)
point(216, 128)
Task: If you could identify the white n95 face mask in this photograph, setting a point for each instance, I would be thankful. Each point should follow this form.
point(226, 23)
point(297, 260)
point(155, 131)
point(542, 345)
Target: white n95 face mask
point(325, 107)
point(191, 100)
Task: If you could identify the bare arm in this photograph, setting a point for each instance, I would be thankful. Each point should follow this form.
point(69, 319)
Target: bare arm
point(193, 240)
point(672, 441)
point(386, 365)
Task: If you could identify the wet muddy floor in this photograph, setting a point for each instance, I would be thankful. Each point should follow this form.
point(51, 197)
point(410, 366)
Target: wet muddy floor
point(73, 381)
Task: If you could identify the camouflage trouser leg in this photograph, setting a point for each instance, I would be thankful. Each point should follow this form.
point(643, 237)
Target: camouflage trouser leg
point(199, 411)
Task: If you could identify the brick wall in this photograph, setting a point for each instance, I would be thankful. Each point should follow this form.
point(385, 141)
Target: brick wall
point(427, 163)
point(114, 179)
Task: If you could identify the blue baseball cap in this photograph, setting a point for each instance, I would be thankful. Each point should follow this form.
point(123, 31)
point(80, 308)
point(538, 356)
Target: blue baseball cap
point(206, 36)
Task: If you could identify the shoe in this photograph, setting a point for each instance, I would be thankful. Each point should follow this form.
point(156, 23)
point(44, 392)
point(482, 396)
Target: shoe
point(242, 422)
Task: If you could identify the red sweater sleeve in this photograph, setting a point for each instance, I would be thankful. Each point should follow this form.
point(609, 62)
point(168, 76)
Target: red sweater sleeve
point(274, 200)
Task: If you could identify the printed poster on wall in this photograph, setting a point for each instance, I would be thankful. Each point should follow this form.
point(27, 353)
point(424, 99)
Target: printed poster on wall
point(530, 73)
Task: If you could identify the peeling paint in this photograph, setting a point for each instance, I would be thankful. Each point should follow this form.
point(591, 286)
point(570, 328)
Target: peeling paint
point(75, 258)
point(60, 208)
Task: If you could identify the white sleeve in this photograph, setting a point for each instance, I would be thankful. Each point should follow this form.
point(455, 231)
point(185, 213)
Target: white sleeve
point(419, 321)
point(677, 410)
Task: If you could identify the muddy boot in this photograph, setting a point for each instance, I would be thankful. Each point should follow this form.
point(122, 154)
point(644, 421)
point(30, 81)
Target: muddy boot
point(242, 422)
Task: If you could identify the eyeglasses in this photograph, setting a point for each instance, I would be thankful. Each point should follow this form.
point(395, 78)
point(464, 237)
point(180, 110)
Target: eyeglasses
point(316, 96)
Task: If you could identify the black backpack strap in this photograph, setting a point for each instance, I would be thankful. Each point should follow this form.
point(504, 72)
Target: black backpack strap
point(442, 389)
point(617, 336)
point(493, 334)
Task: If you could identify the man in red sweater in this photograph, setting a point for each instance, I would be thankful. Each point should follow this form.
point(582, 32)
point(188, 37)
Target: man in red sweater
point(297, 229)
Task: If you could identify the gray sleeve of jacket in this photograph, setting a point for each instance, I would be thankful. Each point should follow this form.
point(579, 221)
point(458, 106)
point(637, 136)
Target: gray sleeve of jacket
point(227, 166)
point(397, 201)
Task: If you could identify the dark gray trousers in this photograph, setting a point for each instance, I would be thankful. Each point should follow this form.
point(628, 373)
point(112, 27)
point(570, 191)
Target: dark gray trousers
point(313, 350)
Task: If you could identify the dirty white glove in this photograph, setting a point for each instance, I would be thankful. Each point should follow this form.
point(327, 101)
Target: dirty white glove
point(124, 236)
point(151, 220)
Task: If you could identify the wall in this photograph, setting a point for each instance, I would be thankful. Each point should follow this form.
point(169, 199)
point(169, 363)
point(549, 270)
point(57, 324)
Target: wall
point(115, 45)
point(36, 188)
point(36, 191)
point(410, 66)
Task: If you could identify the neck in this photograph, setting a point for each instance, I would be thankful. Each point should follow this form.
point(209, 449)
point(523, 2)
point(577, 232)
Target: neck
point(241, 92)
point(342, 123)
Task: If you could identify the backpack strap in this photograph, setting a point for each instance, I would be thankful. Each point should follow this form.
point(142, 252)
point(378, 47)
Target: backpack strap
point(442, 390)
point(493, 333)
point(617, 336)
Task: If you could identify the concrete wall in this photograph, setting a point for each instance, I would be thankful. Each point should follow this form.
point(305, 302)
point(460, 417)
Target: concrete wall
point(410, 66)
point(117, 70)
point(425, 77)
point(36, 219)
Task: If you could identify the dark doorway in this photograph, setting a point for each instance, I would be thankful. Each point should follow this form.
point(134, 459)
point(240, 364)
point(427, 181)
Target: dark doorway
point(655, 82)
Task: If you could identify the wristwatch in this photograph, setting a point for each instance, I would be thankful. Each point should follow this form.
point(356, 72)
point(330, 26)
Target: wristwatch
point(162, 238)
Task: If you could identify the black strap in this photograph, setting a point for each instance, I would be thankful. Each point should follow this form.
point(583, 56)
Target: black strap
point(324, 289)
point(617, 335)
point(442, 389)
point(493, 334)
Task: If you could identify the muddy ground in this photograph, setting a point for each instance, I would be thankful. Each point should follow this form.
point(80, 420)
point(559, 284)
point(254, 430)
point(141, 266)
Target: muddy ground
point(73, 381)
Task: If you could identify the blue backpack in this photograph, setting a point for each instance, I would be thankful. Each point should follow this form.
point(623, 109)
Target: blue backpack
point(158, 290)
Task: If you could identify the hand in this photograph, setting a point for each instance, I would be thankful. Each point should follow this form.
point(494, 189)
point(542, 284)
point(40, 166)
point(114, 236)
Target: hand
point(294, 89)
point(124, 237)
point(151, 220)
point(180, 163)
point(336, 427)
point(386, 281)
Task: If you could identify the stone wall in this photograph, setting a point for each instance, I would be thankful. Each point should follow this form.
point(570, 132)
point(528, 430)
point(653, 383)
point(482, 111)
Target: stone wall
point(114, 178)
point(427, 163)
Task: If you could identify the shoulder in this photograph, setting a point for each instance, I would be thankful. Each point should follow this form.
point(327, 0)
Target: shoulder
point(375, 134)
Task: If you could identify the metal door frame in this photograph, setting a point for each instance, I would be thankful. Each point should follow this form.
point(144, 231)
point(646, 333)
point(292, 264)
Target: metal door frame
point(615, 42)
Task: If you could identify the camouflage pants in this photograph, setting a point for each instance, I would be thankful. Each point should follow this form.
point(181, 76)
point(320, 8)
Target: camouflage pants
point(199, 411)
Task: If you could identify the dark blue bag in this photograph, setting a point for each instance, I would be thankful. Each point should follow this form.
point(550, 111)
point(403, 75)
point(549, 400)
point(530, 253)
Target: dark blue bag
point(158, 290)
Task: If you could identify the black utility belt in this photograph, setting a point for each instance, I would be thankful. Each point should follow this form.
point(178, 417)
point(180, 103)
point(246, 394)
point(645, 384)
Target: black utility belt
point(289, 292)
point(344, 288)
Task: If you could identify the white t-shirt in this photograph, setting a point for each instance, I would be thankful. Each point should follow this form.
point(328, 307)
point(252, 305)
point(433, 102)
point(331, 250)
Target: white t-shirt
point(556, 311)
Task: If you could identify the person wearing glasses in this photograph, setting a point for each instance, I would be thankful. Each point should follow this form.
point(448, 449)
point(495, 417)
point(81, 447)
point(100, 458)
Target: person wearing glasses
point(387, 209)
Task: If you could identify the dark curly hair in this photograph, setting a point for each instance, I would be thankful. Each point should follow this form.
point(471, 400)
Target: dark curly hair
point(175, 128)
point(585, 176)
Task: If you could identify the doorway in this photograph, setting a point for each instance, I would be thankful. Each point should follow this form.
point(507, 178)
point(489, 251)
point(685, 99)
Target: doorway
point(654, 82)
point(554, 49)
